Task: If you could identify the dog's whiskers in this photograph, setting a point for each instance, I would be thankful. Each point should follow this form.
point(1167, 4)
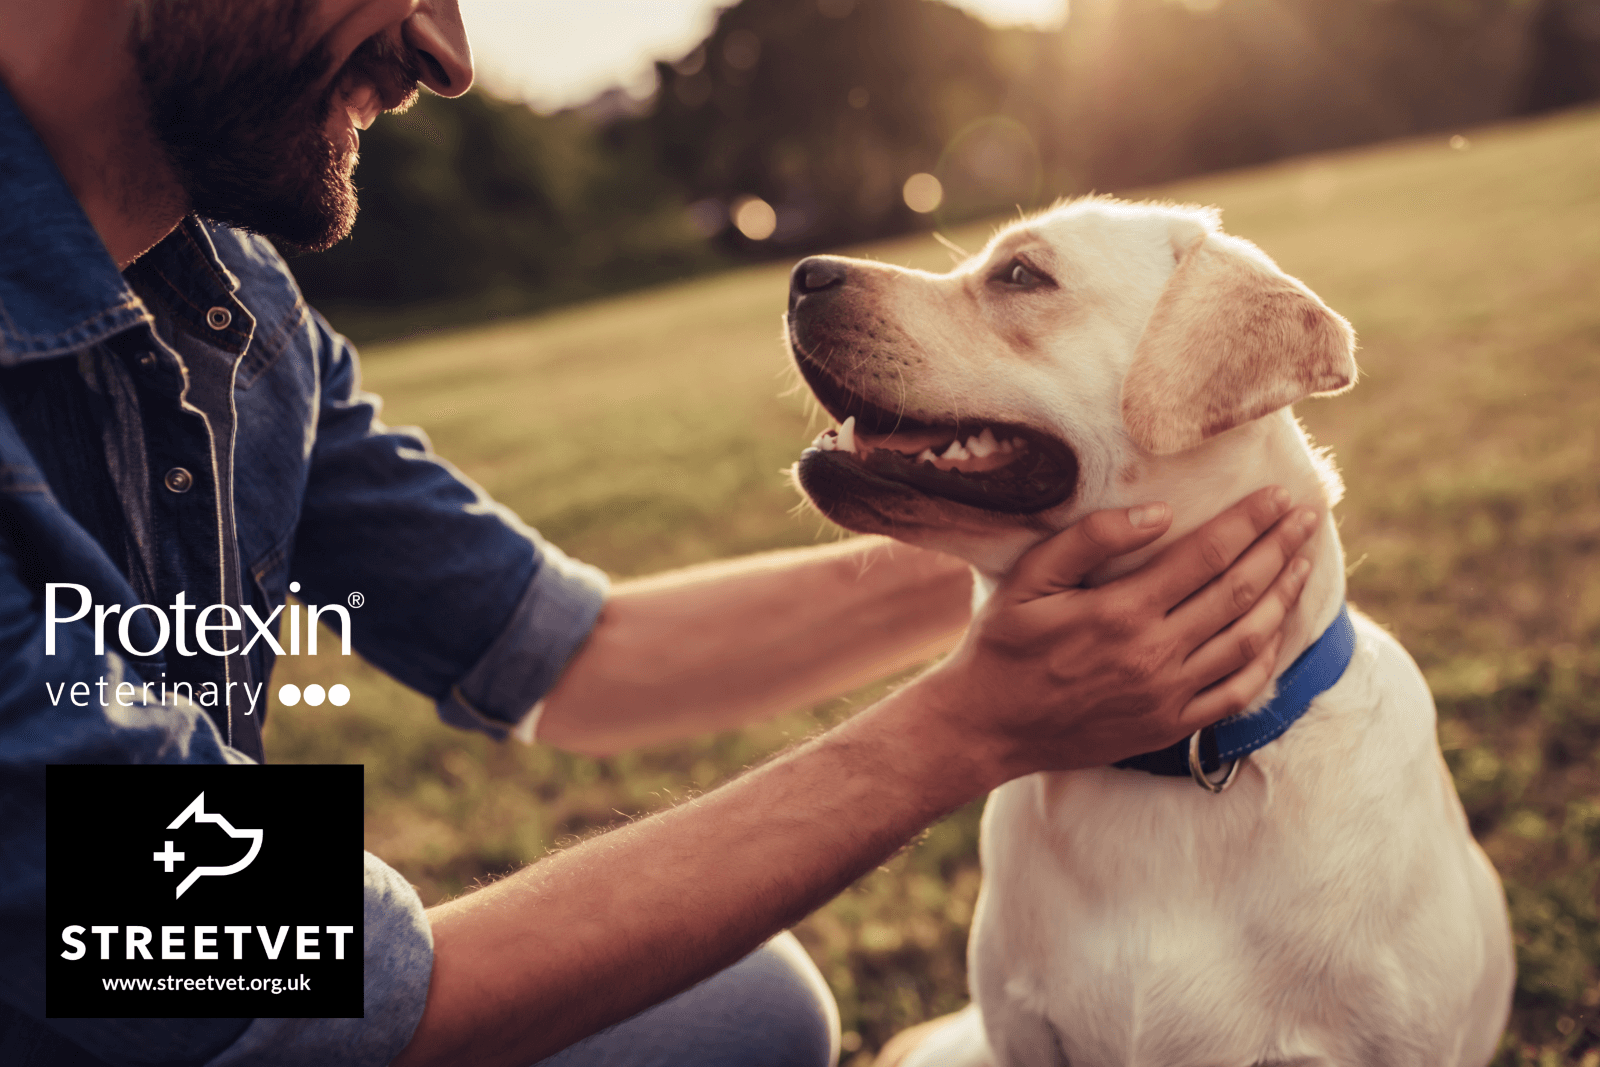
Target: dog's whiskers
point(954, 249)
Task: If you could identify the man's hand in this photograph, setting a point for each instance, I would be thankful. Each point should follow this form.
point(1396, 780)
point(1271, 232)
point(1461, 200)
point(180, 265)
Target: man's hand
point(1055, 676)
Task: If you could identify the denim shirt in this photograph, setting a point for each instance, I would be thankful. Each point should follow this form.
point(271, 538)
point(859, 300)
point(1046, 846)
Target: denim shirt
point(190, 425)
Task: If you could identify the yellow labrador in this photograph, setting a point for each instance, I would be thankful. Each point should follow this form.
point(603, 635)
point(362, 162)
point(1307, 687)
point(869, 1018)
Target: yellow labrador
point(1298, 886)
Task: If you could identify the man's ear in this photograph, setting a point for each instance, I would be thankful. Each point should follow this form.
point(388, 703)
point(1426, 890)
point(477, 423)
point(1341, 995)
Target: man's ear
point(1232, 338)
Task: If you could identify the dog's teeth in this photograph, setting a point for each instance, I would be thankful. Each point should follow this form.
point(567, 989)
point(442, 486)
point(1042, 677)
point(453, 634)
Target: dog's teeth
point(926, 456)
point(824, 441)
point(983, 444)
point(847, 435)
point(1016, 444)
point(955, 451)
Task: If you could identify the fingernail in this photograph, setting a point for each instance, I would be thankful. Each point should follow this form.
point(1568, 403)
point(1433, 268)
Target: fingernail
point(1147, 514)
point(1300, 568)
point(1280, 499)
point(1306, 519)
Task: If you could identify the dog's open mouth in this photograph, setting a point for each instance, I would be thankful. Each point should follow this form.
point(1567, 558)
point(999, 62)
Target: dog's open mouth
point(996, 466)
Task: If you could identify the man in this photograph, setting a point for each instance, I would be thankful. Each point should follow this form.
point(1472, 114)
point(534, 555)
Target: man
point(173, 419)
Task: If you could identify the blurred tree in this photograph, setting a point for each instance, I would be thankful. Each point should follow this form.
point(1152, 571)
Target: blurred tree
point(1565, 66)
point(823, 109)
point(1160, 89)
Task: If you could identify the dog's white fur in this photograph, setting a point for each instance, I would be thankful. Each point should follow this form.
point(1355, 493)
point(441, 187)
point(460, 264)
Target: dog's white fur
point(1331, 908)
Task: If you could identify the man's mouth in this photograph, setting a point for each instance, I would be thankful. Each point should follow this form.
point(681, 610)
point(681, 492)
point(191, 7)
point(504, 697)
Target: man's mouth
point(379, 76)
point(993, 465)
point(361, 104)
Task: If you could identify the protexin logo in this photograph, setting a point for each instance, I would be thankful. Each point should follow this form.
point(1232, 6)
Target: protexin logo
point(202, 892)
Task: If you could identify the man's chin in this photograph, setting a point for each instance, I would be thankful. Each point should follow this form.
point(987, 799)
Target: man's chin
point(312, 216)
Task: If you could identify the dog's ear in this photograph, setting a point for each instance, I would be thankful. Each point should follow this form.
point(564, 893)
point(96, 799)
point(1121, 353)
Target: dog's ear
point(1232, 338)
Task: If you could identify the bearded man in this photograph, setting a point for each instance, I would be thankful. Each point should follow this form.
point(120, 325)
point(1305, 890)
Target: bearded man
point(174, 420)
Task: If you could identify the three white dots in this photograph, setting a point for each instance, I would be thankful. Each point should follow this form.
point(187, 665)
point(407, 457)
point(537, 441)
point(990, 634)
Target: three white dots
point(290, 694)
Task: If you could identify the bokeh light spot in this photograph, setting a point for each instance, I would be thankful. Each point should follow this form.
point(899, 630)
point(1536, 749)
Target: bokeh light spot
point(923, 193)
point(755, 218)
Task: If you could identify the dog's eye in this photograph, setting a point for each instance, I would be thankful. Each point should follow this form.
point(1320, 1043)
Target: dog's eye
point(1017, 275)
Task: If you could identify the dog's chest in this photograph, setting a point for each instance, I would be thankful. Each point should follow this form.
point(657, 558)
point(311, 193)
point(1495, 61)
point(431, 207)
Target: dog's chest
point(1150, 922)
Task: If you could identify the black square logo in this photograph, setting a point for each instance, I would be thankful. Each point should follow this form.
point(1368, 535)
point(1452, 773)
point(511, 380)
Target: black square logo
point(203, 892)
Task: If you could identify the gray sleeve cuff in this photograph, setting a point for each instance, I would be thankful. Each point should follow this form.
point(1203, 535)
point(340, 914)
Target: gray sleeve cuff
point(524, 663)
point(397, 962)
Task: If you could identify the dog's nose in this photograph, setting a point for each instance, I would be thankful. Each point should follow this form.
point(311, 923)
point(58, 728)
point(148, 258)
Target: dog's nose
point(815, 274)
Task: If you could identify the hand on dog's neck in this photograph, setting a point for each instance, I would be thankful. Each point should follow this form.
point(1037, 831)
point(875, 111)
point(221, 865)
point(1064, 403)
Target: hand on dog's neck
point(1200, 483)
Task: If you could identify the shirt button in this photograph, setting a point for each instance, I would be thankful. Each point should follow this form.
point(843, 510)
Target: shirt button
point(179, 480)
point(218, 318)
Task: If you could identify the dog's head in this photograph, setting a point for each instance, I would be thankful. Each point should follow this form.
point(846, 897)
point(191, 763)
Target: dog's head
point(1082, 356)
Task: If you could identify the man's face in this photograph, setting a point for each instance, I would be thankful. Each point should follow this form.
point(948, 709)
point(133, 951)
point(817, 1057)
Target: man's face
point(257, 103)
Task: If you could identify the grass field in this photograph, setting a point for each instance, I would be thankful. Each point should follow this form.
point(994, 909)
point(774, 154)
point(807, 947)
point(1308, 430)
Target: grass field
point(649, 431)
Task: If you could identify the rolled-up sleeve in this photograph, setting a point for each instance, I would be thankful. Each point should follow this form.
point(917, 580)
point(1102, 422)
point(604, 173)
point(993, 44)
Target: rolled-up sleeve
point(397, 960)
point(462, 601)
point(546, 630)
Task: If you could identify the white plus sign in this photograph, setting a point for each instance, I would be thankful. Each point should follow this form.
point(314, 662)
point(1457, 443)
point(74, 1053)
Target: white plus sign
point(168, 857)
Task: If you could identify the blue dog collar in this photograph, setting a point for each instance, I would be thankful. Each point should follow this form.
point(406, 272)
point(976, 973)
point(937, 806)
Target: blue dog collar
point(1231, 740)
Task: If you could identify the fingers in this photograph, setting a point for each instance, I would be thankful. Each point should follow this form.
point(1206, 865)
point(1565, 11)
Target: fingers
point(1199, 556)
point(1234, 693)
point(1234, 593)
point(1241, 643)
point(1066, 559)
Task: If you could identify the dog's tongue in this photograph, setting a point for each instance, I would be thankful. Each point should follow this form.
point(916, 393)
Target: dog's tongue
point(909, 441)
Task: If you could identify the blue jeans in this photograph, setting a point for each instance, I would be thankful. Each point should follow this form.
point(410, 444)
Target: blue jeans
point(771, 1009)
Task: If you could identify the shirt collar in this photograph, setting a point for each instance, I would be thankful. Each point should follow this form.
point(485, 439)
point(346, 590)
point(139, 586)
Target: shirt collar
point(60, 291)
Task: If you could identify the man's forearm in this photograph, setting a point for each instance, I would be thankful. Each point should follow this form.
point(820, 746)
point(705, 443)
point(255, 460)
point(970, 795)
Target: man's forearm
point(594, 934)
point(717, 646)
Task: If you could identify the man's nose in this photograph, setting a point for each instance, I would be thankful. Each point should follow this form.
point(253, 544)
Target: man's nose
point(435, 32)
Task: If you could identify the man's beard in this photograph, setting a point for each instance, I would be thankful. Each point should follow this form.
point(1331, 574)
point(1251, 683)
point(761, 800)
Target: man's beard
point(242, 121)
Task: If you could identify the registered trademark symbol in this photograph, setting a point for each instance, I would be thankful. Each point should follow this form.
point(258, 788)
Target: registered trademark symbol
point(356, 600)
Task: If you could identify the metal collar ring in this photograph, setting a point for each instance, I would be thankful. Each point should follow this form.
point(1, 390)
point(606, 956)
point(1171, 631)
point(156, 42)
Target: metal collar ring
point(1198, 773)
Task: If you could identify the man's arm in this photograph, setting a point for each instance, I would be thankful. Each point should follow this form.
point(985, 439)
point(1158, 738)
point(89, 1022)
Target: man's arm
point(724, 644)
point(1049, 677)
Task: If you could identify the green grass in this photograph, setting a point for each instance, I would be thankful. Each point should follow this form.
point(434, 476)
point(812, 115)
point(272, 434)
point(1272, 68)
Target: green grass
point(649, 431)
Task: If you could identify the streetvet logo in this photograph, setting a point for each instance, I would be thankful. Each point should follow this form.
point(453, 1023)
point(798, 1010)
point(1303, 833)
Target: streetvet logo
point(197, 811)
point(247, 903)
